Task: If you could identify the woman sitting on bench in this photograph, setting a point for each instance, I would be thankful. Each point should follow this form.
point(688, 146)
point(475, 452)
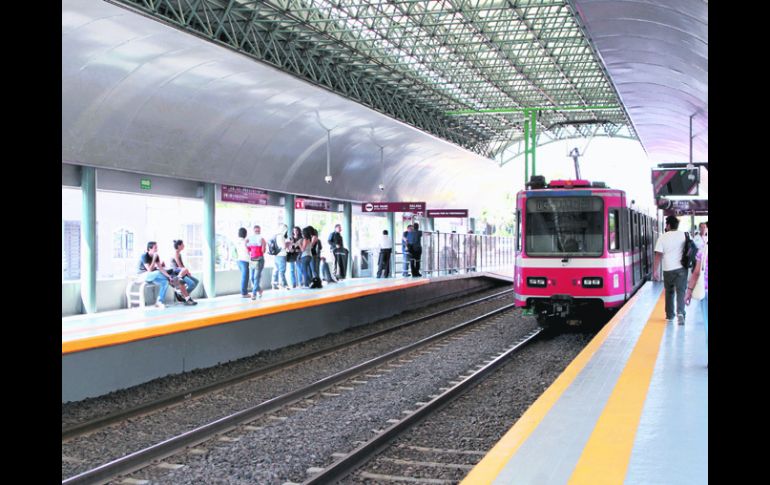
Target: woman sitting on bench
point(180, 270)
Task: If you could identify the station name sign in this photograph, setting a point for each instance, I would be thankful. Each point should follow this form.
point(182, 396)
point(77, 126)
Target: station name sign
point(244, 195)
point(393, 207)
point(447, 213)
point(313, 204)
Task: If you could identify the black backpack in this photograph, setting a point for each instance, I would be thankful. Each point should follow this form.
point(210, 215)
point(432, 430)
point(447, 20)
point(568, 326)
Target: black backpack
point(689, 252)
point(272, 246)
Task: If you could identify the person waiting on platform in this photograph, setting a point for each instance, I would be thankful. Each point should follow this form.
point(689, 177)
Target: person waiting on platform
point(180, 270)
point(310, 274)
point(293, 253)
point(257, 248)
point(470, 245)
point(150, 264)
point(414, 248)
point(698, 286)
point(404, 251)
point(386, 248)
point(243, 260)
point(702, 237)
point(279, 272)
point(339, 252)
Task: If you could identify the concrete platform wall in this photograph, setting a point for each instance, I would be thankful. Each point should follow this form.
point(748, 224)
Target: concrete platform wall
point(100, 371)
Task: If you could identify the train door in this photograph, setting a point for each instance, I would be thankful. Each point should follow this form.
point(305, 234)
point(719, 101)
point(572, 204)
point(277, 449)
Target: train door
point(645, 244)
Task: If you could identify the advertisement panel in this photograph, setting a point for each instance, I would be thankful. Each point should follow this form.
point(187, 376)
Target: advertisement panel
point(447, 213)
point(313, 204)
point(244, 195)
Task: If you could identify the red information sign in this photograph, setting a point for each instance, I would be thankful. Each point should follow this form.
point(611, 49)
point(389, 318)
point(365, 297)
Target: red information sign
point(447, 212)
point(393, 207)
point(313, 204)
point(244, 195)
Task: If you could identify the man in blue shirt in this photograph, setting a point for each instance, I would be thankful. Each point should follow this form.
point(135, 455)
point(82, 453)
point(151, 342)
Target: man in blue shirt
point(414, 247)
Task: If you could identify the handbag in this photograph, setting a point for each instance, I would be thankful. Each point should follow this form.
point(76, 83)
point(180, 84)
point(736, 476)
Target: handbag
point(699, 290)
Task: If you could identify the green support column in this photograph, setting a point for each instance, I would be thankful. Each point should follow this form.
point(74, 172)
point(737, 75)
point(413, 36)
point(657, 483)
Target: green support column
point(347, 235)
point(472, 224)
point(209, 240)
point(88, 239)
point(530, 143)
point(391, 216)
point(288, 211)
point(526, 148)
point(431, 223)
point(533, 139)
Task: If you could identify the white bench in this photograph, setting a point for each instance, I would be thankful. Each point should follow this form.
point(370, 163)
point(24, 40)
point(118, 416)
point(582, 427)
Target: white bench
point(135, 291)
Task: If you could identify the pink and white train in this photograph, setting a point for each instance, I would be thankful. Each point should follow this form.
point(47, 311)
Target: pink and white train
point(579, 249)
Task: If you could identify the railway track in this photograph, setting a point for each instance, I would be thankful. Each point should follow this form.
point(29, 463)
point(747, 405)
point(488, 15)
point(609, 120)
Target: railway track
point(96, 424)
point(142, 458)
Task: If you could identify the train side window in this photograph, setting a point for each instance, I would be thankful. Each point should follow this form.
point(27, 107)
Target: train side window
point(518, 230)
point(614, 231)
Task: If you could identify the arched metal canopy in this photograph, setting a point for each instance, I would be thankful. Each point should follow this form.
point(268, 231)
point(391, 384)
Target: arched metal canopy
point(656, 53)
point(141, 96)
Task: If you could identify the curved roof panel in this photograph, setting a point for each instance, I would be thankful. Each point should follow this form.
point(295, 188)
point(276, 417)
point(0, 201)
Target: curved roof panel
point(656, 53)
point(141, 96)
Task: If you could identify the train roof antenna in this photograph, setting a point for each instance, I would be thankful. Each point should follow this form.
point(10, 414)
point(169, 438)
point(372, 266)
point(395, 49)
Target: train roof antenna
point(574, 153)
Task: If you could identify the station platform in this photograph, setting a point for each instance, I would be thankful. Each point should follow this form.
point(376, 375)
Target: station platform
point(631, 408)
point(113, 350)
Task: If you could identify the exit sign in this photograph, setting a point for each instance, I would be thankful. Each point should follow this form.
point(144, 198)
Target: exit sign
point(145, 184)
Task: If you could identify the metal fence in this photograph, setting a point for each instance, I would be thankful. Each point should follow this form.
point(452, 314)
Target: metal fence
point(449, 253)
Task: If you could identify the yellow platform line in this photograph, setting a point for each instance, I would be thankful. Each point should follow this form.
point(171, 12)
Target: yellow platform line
point(607, 453)
point(88, 343)
point(488, 468)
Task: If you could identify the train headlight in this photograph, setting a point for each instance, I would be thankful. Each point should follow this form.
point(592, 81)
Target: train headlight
point(536, 281)
point(592, 282)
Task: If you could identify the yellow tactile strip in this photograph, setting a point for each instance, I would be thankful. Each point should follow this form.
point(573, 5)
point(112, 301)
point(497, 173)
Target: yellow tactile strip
point(88, 343)
point(488, 468)
point(607, 453)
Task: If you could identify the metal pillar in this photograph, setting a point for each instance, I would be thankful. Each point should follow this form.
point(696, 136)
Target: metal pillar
point(209, 240)
point(347, 235)
point(288, 211)
point(88, 239)
point(530, 143)
point(391, 216)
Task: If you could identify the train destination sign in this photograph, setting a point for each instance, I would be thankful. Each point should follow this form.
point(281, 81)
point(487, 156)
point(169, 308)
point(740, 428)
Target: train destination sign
point(244, 195)
point(393, 207)
point(447, 213)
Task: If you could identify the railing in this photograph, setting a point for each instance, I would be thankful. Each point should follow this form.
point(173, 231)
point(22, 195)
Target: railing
point(449, 253)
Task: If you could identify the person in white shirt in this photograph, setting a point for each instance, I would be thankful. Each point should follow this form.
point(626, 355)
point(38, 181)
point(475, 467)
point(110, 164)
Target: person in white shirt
point(702, 237)
point(279, 272)
point(386, 249)
point(669, 250)
point(243, 261)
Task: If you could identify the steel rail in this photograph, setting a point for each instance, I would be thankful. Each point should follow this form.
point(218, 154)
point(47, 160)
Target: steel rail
point(141, 458)
point(361, 454)
point(176, 398)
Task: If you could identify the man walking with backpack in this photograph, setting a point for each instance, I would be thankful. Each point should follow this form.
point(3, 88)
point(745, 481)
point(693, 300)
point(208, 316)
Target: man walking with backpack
point(339, 252)
point(672, 248)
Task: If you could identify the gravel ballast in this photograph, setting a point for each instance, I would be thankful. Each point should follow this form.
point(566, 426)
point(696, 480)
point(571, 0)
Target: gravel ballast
point(281, 450)
point(86, 452)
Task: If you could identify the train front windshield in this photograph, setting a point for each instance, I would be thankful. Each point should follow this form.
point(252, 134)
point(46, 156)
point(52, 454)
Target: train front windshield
point(564, 226)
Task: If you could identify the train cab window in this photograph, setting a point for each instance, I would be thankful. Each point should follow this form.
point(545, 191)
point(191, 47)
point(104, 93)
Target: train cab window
point(613, 230)
point(564, 226)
